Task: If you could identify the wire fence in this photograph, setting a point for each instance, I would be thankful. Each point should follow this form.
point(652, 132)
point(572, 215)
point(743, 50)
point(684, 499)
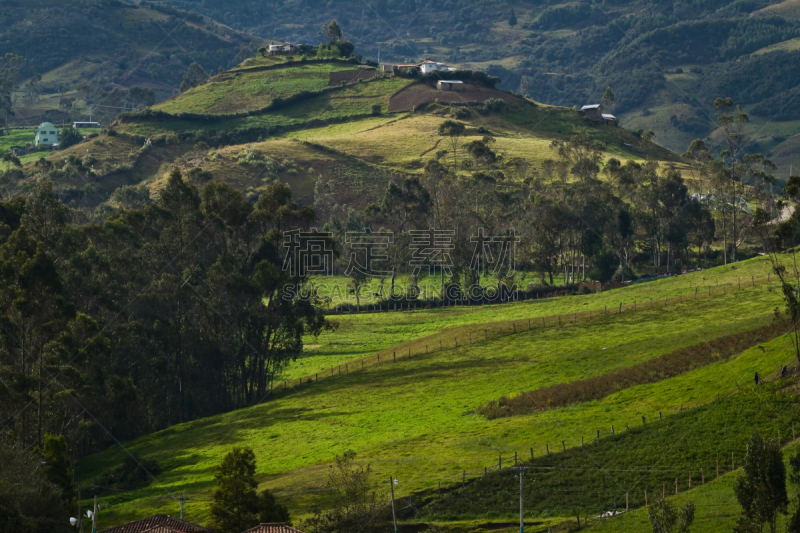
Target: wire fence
point(462, 336)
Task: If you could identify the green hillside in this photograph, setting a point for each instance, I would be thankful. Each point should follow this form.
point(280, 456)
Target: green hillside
point(426, 404)
point(85, 55)
point(666, 62)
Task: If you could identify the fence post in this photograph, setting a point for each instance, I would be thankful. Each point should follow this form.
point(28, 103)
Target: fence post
point(485, 335)
point(500, 462)
point(529, 324)
point(581, 440)
point(695, 293)
point(515, 458)
point(612, 429)
point(620, 308)
point(394, 355)
point(643, 420)
point(627, 503)
point(531, 453)
point(733, 463)
point(717, 465)
point(702, 477)
point(690, 481)
point(645, 498)
point(659, 415)
point(598, 434)
point(547, 448)
point(676, 485)
point(464, 479)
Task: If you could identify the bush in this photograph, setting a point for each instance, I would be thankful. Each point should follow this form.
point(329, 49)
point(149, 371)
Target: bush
point(376, 109)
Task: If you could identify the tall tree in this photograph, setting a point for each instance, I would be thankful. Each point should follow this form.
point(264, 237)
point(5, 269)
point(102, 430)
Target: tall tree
point(761, 489)
point(195, 76)
point(452, 129)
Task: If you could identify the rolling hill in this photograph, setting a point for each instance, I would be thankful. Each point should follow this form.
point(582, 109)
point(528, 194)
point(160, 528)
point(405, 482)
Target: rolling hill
point(295, 120)
point(414, 413)
point(84, 54)
point(666, 62)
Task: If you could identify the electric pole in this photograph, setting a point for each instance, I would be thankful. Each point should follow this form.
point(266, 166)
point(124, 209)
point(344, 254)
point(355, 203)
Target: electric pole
point(520, 473)
point(394, 515)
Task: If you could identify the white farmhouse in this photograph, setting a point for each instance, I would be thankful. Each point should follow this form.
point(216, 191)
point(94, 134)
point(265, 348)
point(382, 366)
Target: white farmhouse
point(46, 135)
point(431, 66)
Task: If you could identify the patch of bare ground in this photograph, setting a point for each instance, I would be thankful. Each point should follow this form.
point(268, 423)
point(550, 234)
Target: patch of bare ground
point(652, 371)
point(420, 94)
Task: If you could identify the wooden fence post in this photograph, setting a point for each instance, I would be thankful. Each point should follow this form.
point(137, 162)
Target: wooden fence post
point(531, 453)
point(547, 448)
point(515, 458)
point(676, 485)
point(563, 445)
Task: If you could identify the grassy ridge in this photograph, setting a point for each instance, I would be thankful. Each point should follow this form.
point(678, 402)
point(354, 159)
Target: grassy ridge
point(245, 90)
point(414, 418)
point(391, 329)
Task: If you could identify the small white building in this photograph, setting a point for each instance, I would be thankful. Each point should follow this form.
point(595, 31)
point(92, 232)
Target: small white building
point(429, 66)
point(46, 135)
point(449, 85)
point(274, 49)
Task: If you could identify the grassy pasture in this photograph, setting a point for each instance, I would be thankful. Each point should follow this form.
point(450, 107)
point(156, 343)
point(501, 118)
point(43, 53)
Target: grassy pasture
point(397, 329)
point(414, 418)
point(240, 90)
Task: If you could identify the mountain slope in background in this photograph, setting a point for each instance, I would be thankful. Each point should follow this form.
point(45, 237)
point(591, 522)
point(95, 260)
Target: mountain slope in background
point(665, 61)
point(90, 53)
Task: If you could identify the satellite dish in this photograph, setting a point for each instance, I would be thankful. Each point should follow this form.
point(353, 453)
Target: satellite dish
point(72, 520)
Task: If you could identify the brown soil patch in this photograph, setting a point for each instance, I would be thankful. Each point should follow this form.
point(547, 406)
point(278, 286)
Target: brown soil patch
point(420, 94)
point(651, 371)
point(349, 76)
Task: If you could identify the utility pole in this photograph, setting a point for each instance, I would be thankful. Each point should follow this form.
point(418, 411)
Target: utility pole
point(520, 473)
point(394, 515)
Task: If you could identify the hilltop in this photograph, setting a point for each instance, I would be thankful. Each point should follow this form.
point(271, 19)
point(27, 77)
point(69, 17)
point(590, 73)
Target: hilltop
point(666, 62)
point(296, 119)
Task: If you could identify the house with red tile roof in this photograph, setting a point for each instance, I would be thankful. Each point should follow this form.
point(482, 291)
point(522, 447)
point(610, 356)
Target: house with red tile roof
point(163, 521)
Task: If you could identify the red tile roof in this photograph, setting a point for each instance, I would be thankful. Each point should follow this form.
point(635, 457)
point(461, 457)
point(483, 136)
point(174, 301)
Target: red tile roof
point(159, 520)
point(273, 528)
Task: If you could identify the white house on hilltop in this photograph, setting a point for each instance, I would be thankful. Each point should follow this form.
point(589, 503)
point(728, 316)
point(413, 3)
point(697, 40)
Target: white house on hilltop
point(46, 135)
point(429, 66)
